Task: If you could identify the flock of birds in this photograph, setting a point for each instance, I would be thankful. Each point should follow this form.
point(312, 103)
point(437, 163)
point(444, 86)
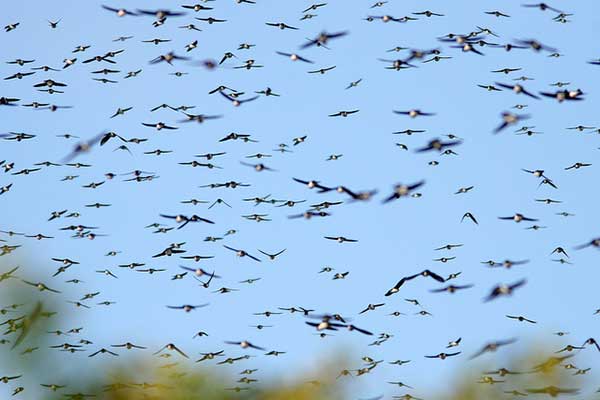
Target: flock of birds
point(51, 78)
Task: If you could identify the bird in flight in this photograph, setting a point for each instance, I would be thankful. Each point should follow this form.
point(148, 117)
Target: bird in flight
point(295, 119)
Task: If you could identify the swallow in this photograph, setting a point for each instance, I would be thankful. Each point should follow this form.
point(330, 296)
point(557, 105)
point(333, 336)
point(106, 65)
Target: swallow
point(108, 273)
point(20, 62)
point(535, 45)
point(106, 71)
point(443, 356)
point(314, 7)
point(83, 147)
point(103, 351)
point(424, 273)
point(6, 379)
point(313, 184)
point(437, 59)
point(428, 14)
point(504, 290)
point(137, 178)
point(383, 18)
point(128, 346)
point(518, 218)
point(592, 341)
point(541, 7)
point(11, 27)
point(464, 189)
point(121, 12)
point(451, 288)
point(161, 14)
point(257, 167)
point(281, 25)
point(210, 356)
point(81, 48)
point(295, 57)
point(397, 64)
point(201, 272)
point(168, 58)
point(211, 20)
point(224, 290)
point(40, 286)
point(244, 344)
point(437, 144)
point(245, 46)
point(322, 39)
point(53, 387)
point(497, 14)
point(159, 126)
point(242, 253)
point(468, 47)
point(510, 119)
point(272, 257)
point(343, 113)
point(322, 71)
point(5, 188)
point(353, 84)
point(517, 89)
point(577, 165)
point(521, 319)
point(238, 102)
point(538, 173)
point(371, 307)
point(45, 68)
point(54, 24)
point(200, 118)
point(340, 239)
point(552, 391)
point(268, 92)
point(156, 41)
point(470, 216)
point(68, 62)
point(351, 327)
point(39, 236)
point(17, 136)
point(169, 251)
point(326, 322)
point(403, 190)
point(508, 264)
point(414, 113)
point(171, 347)
point(190, 27)
point(8, 101)
point(196, 7)
point(19, 75)
point(226, 56)
point(506, 71)
point(591, 243)
point(210, 156)
point(492, 347)
point(65, 261)
point(187, 307)
point(8, 274)
point(121, 111)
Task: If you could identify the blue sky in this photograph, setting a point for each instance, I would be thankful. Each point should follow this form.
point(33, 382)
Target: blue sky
point(395, 239)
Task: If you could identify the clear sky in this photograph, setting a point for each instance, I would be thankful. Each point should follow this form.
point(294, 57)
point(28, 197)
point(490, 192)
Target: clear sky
point(394, 240)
